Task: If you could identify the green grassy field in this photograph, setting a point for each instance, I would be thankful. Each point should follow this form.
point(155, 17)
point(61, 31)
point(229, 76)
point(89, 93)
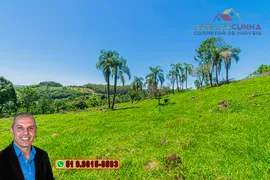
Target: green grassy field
point(212, 142)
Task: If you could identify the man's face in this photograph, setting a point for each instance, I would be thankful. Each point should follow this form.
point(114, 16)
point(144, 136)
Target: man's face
point(24, 132)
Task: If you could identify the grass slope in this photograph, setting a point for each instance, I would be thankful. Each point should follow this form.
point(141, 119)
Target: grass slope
point(231, 143)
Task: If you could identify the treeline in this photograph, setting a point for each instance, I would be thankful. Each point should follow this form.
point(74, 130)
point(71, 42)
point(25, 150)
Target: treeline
point(50, 97)
point(102, 89)
point(48, 84)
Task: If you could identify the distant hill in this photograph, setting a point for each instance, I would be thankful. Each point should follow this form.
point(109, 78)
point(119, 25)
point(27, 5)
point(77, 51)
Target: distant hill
point(58, 91)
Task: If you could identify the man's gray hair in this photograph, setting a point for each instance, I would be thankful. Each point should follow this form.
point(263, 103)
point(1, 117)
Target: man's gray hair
point(23, 114)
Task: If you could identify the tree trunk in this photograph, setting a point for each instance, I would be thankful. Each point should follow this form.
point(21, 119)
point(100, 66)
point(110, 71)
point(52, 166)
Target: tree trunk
point(177, 84)
point(186, 78)
point(108, 91)
point(115, 84)
point(173, 88)
point(217, 75)
point(183, 85)
point(227, 73)
point(211, 81)
point(202, 80)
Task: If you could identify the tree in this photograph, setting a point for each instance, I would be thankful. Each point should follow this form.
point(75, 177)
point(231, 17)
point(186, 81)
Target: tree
point(182, 79)
point(155, 76)
point(44, 104)
point(217, 60)
point(119, 68)
point(152, 80)
point(172, 77)
point(197, 83)
point(28, 96)
point(228, 53)
point(188, 70)
point(57, 105)
point(204, 56)
point(80, 103)
point(7, 93)
point(200, 73)
point(137, 83)
point(132, 94)
point(262, 70)
point(50, 83)
point(105, 64)
point(177, 68)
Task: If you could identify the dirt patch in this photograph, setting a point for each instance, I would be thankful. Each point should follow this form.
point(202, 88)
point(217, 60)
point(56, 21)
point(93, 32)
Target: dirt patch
point(186, 144)
point(181, 119)
point(55, 134)
point(163, 140)
point(152, 164)
point(173, 158)
point(223, 105)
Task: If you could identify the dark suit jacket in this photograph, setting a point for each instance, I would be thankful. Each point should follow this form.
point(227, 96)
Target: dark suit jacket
point(10, 168)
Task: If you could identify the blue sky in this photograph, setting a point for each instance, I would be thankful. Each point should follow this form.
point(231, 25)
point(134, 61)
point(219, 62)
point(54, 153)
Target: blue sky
point(61, 40)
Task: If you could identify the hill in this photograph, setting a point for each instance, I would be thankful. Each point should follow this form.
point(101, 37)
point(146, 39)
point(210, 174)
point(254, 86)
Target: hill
point(218, 133)
point(57, 91)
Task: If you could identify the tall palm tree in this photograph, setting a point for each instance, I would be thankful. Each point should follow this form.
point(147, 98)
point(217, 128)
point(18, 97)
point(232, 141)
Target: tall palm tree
point(119, 68)
point(200, 73)
point(182, 78)
point(205, 53)
point(177, 67)
point(228, 53)
point(104, 64)
point(155, 76)
point(137, 83)
point(172, 77)
point(217, 60)
point(188, 70)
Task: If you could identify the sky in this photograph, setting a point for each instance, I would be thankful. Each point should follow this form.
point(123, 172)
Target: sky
point(61, 40)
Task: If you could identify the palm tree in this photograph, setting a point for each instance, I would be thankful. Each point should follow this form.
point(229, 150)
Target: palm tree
point(137, 83)
point(188, 70)
point(200, 73)
point(104, 64)
point(119, 68)
point(217, 60)
point(155, 76)
point(177, 67)
point(228, 53)
point(182, 78)
point(172, 76)
point(204, 55)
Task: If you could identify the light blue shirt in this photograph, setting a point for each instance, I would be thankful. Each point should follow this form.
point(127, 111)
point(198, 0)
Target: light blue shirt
point(27, 166)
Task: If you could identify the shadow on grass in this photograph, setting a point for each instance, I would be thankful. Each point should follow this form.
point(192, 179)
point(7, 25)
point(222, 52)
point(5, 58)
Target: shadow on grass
point(126, 108)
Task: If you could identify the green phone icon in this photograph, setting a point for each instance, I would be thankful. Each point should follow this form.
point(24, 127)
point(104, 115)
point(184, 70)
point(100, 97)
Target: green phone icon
point(60, 164)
